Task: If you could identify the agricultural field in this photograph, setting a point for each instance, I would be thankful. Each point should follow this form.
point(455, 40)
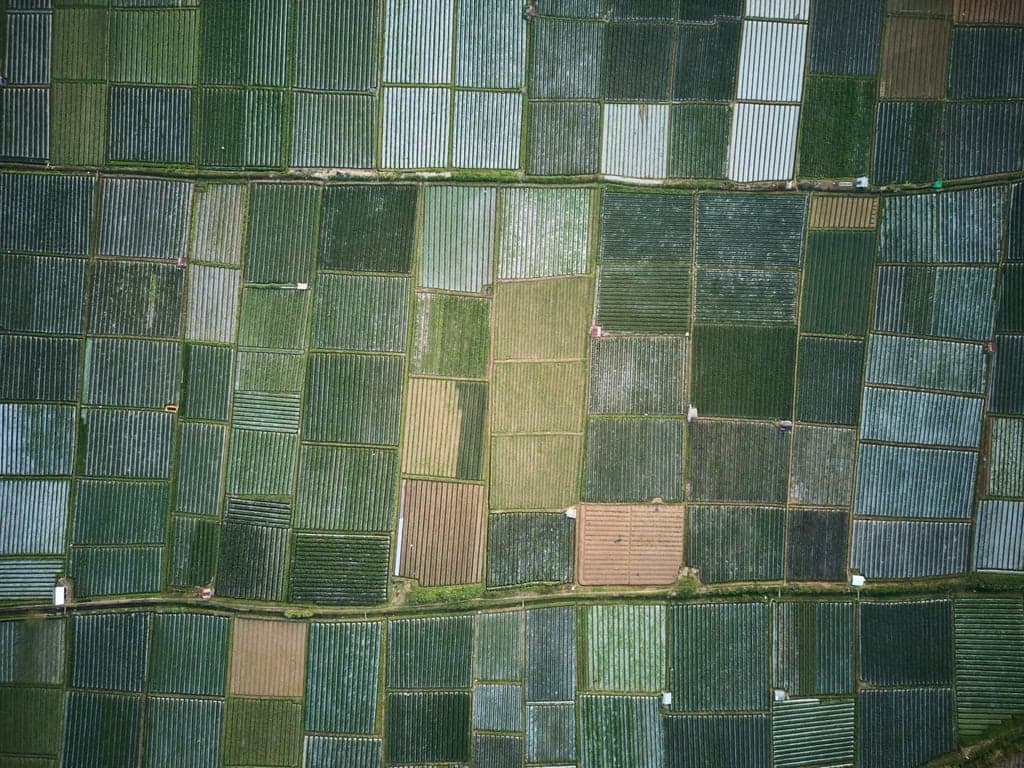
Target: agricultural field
point(518, 384)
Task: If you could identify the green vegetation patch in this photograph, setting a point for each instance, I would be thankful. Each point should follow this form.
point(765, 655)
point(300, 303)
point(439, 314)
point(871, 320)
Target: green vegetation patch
point(837, 282)
point(451, 336)
point(32, 651)
point(816, 544)
point(646, 227)
point(828, 380)
point(168, 718)
point(498, 646)
point(736, 543)
point(138, 374)
point(136, 299)
point(251, 563)
point(346, 489)
point(636, 375)
point(565, 61)
point(1011, 299)
point(707, 55)
point(31, 720)
point(625, 648)
point(101, 729)
point(79, 44)
point(539, 397)
point(179, 641)
point(955, 302)
point(498, 707)
point(744, 371)
point(719, 658)
point(79, 121)
point(699, 143)
point(637, 62)
point(342, 677)
point(270, 371)
point(363, 313)
point(822, 472)
point(282, 222)
point(906, 141)
point(529, 548)
point(1007, 381)
point(649, 298)
point(369, 386)
point(814, 648)
point(428, 727)
point(194, 549)
point(261, 463)
point(242, 44)
point(542, 319)
point(448, 664)
point(111, 651)
point(243, 128)
point(42, 294)
point(551, 654)
point(701, 740)
point(634, 459)
point(738, 461)
point(39, 368)
point(621, 730)
point(563, 138)
point(153, 48)
point(534, 471)
point(368, 228)
point(906, 643)
point(835, 138)
point(116, 570)
point(339, 570)
point(551, 733)
point(273, 318)
point(120, 512)
point(262, 732)
point(200, 468)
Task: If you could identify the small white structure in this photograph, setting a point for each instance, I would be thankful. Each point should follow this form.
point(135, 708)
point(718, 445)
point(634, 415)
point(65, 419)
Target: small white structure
point(862, 182)
point(666, 699)
point(780, 695)
point(857, 580)
point(60, 595)
point(691, 414)
point(571, 513)
point(302, 286)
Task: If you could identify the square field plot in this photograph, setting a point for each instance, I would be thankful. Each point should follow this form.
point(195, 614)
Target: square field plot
point(451, 336)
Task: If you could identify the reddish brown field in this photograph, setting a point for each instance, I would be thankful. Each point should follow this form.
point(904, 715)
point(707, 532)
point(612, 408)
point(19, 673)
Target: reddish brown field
point(914, 56)
point(268, 658)
point(442, 532)
point(630, 545)
point(844, 212)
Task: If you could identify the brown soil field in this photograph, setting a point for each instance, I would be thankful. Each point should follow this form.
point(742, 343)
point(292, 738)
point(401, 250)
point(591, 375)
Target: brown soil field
point(844, 212)
point(632, 545)
point(944, 7)
point(432, 428)
point(442, 532)
point(989, 11)
point(268, 658)
point(915, 53)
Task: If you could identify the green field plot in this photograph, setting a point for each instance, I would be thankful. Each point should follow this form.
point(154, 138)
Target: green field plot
point(370, 387)
point(621, 730)
point(178, 640)
point(262, 732)
point(700, 740)
point(244, 44)
point(736, 543)
point(837, 282)
point(817, 541)
point(822, 470)
point(636, 375)
point(79, 125)
point(325, 751)
point(120, 512)
point(428, 727)
point(498, 646)
point(36, 516)
point(649, 298)
point(46, 213)
point(634, 459)
point(282, 222)
point(273, 318)
point(953, 302)
point(449, 662)
point(718, 657)
point(270, 371)
point(445, 428)
point(194, 548)
point(744, 371)
point(550, 654)
point(925, 364)
point(123, 443)
point(346, 489)
point(32, 651)
point(925, 714)
point(451, 336)
point(111, 651)
point(1007, 382)
point(725, 237)
point(738, 461)
point(529, 547)
point(154, 48)
point(339, 570)
point(39, 368)
point(261, 462)
point(539, 397)
point(343, 677)
point(835, 138)
point(746, 296)
point(989, 662)
point(31, 720)
point(566, 60)
point(625, 648)
point(42, 294)
point(217, 226)
point(646, 227)
point(457, 246)
point(168, 718)
point(368, 228)
point(200, 468)
point(252, 561)
point(101, 729)
point(165, 116)
point(116, 570)
point(243, 128)
point(534, 471)
point(906, 137)
point(637, 62)
point(906, 643)
point(79, 44)
point(898, 481)
point(498, 707)
point(542, 319)
point(699, 143)
point(707, 54)
point(361, 313)
point(132, 299)
point(212, 304)
point(1006, 458)
point(1010, 315)
point(813, 648)
point(543, 232)
point(562, 138)
point(551, 733)
point(828, 380)
point(37, 439)
point(832, 723)
point(132, 373)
